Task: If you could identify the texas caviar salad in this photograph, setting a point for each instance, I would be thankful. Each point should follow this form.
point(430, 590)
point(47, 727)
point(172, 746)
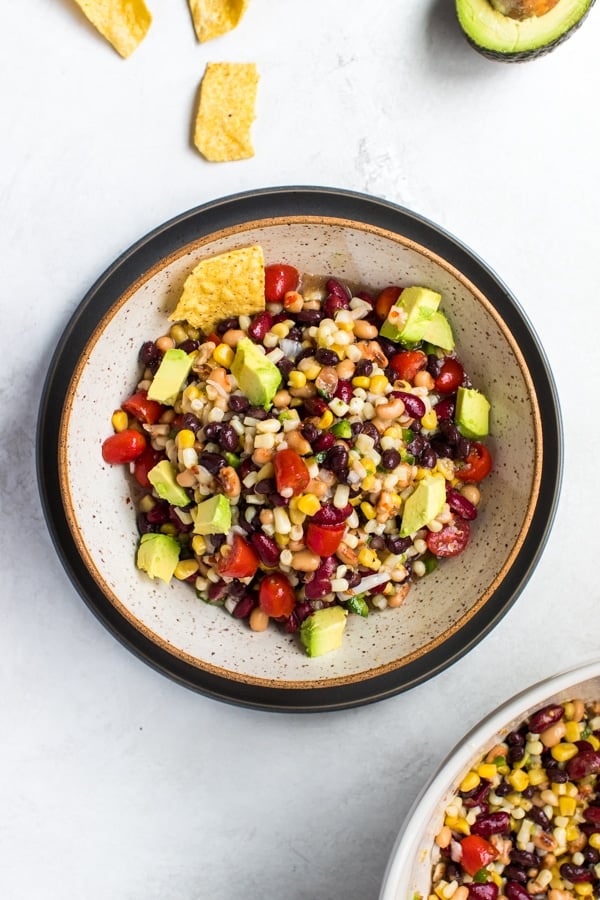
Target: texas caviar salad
point(525, 821)
point(307, 456)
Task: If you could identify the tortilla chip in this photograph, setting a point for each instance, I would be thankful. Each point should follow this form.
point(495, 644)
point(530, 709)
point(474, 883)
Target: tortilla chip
point(230, 284)
point(212, 18)
point(226, 111)
point(124, 23)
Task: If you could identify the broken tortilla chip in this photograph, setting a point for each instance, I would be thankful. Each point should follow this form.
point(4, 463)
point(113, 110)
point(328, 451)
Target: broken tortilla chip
point(230, 284)
point(212, 18)
point(226, 111)
point(124, 23)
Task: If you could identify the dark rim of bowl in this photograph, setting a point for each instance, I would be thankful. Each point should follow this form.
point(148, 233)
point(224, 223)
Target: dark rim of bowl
point(274, 203)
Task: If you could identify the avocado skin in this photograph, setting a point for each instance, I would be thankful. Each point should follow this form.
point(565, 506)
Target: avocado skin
point(525, 55)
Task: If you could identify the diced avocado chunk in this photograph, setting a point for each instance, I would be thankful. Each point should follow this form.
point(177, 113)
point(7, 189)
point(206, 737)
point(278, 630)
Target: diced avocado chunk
point(322, 631)
point(472, 413)
point(424, 504)
point(212, 516)
point(257, 376)
point(170, 376)
point(158, 555)
point(437, 331)
point(162, 479)
point(409, 316)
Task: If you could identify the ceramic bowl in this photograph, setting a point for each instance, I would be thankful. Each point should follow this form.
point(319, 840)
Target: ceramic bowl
point(408, 873)
point(88, 504)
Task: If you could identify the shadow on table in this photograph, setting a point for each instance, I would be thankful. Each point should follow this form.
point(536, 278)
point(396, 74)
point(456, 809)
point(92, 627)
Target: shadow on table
point(450, 54)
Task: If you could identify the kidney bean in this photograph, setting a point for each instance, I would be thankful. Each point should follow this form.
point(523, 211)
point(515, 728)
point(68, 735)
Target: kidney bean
point(217, 590)
point(300, 612)
point(477, 795)
point(260, 324)
point(487, 824)
point(266, 548)
point(460, 505)
point(327, 567)
point(414, 405)
point(575, 874)
point(333, 286)
point(176, 521)
point(545, 717)
point(143, 525)
point(515, 891)
point(317, 588)
point(592, 814)
point(487, 891)
point(344, 391)
point(331, 515)
point(333, 303)
point(587, 762)
point(325, 441)
point(583, 745)
point(315, 406)
point(212, 462)
point(245, 605)
point(159, 514)
point(228, 437)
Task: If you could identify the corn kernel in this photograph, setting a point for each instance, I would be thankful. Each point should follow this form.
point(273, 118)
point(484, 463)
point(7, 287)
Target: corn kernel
point(119, 420)
point(563, 752)
point(497, 878)
point(572, 731)
point(199, 545)
point(519, 780)
point(378, 384)
point(341, 351)
point(297, 517)
point(593, 740)
point(487, 771)
point(281, 329)
point(223, 355)
point(308, 504)
point(368, 465)
point(185, 568)
point(458, 823)
point(567, 805)
point(368, 483)
point(594, 840)
point(186, 438)
point(537, 775)
point(429, 420)
point(369, 559)
point(361, 381)
point(572, 833)
point(470, 781)
point(312, 371)
point(282, 540)
point(394, 432)
point(296, 379)
point(584, 889)
point(368, 510)
point(326, 419)
point(192, 392)
point(168, 528)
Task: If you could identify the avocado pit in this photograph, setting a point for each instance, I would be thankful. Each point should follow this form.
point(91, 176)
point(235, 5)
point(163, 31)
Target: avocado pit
point(523, 9)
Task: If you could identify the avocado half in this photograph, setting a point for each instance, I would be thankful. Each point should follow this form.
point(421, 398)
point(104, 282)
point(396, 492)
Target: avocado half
point(519, 36)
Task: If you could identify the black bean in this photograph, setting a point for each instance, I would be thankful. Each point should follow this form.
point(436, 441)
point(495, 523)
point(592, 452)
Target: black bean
point(363, 367)
point(149, 352)
point(428, 458)
point(369, 429)
point(516, 873)
point(295, 334)
point(523, 857)
point(189, 345)
point(326, 357)
point(191, 422)
point(265, 486)
point(285, 366)
point(310, 432)
point(226, 324)
point(434, 364)
point(228, 437)
point(390, 459)
point(257, 412)
point(309, 316)
point(397, 545)
point(238, 403)
point(463, 448)
point(211, 431)
point(537, 815)
point(212, 462)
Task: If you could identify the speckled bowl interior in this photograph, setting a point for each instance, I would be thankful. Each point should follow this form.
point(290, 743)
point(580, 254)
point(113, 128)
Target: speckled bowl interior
point(201, 639)
point(408, 873)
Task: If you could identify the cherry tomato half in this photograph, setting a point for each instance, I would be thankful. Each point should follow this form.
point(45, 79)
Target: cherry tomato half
point(476, 853)
point(450, 377)
point(123, 447)
point(148, 458)
point(240, 559)
point(407, 363)
point(324, 539)
point(279, 278)
point(144, 410)
point(276, 595)
point(477, 465)
point(451, 540)
point(386, 300)
point(290, 472)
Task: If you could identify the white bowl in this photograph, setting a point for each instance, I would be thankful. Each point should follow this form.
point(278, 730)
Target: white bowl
point(88, 504)
point(408, 872)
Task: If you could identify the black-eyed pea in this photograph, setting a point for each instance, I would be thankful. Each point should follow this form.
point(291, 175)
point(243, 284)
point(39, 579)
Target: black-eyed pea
point(305, 561)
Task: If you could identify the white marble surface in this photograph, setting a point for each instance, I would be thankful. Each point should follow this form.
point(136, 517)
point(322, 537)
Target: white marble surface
point(114, 781)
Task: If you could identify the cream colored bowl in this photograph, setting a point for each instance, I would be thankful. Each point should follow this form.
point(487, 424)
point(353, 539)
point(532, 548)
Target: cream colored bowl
point(88, 504)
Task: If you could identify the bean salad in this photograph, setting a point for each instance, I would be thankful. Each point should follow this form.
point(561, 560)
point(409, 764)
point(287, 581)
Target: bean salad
point(317, 480)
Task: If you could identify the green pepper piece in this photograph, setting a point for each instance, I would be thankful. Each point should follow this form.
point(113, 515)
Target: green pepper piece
point(342, 429)
point(358, 605)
